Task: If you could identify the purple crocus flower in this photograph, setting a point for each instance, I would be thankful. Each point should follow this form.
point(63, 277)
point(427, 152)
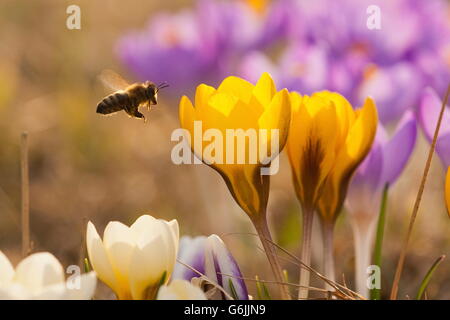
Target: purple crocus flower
point(210, 256)
point(170, 49)
point(193, 46)
point(383, 165)
point(429, 110)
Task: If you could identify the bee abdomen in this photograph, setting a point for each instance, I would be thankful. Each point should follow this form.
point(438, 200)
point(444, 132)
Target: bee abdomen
point(113, 103)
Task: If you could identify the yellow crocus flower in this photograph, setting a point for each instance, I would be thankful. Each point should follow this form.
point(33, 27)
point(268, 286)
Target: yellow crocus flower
point(239, 105)
point(261, 114)
point(328, 140)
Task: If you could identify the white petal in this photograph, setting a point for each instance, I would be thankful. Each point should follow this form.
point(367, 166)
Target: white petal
point(14, 291)
point(6, 270)
point(148, 265)
point(169, 231)
point(38, 271)
point(88, 282)
point(53, 292)
point(145, 224)
point(99, 258)
point(180, 290)
point(119, 244)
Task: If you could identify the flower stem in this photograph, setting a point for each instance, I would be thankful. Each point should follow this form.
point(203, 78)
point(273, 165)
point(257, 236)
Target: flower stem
point(363, 239)
point(328, 256)
point(375, 294)
point(308, 216)
point(264, 235)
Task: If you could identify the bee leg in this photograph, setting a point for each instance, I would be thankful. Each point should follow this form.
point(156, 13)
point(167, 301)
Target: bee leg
point(139, 115)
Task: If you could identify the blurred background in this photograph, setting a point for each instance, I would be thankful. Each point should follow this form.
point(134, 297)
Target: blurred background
point(84, 166)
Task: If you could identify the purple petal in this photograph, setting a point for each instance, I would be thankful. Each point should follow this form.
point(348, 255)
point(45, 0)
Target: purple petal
point(364, 192)
point(428, 116)
point(385, 85)
point(191, 252)
point(254, 64)
point(221, 267)
point(398, 149)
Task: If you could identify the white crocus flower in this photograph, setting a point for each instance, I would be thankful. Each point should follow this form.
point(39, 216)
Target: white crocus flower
point(134, 261)
point(180, 290)
point(40, 276)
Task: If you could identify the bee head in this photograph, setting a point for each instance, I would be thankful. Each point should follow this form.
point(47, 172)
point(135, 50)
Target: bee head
point(152, 91)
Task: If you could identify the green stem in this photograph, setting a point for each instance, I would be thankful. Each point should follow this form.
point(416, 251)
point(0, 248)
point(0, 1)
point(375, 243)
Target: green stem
point(375, 293)
point(427, 278)
point(305, 258)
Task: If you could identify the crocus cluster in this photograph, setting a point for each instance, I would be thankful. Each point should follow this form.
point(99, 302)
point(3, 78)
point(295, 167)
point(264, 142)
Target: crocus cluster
point(326, 141)
point(139, 262)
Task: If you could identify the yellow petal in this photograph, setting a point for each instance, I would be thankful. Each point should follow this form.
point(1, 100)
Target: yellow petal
point(236, 87)
point(187, 114)
point(242, 116)
point(202, 95)
point(357, 146)
point(223, 102)
point(264, 90)
point(311, 145)
point(277, 116)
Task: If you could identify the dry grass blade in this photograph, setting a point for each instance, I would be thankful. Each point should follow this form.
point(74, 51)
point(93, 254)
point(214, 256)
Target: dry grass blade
point(208, 280)
point(401, 260)
point(272, 282)
point(342, 292)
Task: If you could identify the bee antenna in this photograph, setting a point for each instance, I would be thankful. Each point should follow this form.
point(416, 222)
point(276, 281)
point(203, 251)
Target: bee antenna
point(162, 85)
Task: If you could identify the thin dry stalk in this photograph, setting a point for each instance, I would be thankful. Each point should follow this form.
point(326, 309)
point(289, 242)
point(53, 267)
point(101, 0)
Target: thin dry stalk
point(208, 280)
point(401, 260)
point(342, 292)
point(25, 195)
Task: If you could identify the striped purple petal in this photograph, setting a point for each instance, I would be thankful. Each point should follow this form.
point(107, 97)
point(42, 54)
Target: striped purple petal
point(210, 256)
point(191, 253)
point(221, 266)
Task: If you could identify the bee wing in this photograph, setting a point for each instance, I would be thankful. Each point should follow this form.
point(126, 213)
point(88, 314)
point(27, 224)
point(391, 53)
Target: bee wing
point(112, 80)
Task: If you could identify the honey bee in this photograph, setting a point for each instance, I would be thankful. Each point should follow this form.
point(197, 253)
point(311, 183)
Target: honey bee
point(127, 97)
